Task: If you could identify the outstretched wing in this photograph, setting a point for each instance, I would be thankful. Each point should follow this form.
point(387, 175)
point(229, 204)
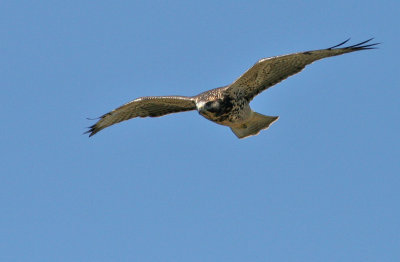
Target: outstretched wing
point(152, 106)
point(270, 71)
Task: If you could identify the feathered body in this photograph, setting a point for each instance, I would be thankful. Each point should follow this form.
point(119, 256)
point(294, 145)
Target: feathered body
point(229, 105)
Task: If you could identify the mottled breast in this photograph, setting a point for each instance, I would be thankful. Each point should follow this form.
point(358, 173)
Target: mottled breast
point(225, 111)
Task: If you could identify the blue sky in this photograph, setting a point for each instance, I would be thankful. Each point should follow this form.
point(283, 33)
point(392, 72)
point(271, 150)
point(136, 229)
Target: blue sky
point(322, 184)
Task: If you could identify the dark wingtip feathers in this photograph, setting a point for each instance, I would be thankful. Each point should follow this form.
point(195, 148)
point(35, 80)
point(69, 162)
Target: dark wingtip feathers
point(342, 43)
point(93, 129)
point(356, 47)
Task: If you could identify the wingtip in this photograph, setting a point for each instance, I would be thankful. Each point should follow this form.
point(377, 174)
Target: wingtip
point(342, 43)
point(92, 130)
point(356, 47)
point(88, 118)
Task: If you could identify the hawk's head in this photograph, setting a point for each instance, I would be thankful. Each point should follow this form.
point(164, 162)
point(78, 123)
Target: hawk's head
point(215, 108)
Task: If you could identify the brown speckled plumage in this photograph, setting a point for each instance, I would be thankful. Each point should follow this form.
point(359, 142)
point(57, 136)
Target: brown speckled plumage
point(229, 105)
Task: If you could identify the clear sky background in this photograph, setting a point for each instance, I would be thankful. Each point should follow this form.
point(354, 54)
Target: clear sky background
point(322, 184)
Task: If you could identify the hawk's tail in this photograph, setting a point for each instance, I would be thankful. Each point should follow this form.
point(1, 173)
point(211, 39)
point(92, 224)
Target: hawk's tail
point(252, 127)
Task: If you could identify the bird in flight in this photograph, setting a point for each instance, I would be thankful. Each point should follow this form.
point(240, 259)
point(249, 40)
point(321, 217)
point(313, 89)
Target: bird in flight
point(229, 105)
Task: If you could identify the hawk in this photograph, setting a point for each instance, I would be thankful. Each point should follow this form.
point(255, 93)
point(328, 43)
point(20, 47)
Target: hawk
point(229, 105)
